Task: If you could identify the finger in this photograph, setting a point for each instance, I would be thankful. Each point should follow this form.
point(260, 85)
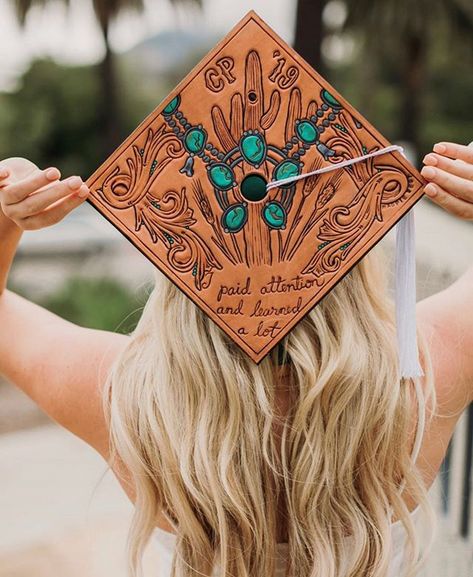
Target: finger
point(4, 174)
point(455, 151)
point(43, 199)
point(56, 213)
point(17, 191)
point(452, 204)
point(459, 187)
point(461, 169)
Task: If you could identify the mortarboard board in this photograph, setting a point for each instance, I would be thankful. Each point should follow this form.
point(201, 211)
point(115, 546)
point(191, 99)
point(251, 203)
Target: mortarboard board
point(255, 187)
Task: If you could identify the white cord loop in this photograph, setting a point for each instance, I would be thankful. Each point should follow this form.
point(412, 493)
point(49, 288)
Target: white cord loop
point(345, 163)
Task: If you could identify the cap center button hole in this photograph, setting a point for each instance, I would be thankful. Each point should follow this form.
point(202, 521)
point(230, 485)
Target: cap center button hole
point(253, 187)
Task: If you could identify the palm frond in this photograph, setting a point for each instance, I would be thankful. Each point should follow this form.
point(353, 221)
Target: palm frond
point(107, 10)
point(460, 18)
point(22, 7)
point(198, 3)
point(388, 18)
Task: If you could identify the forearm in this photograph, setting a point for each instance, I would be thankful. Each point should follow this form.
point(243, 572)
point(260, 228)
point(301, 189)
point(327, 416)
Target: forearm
point(10, 235)
point(467, 276)
point(62, 367)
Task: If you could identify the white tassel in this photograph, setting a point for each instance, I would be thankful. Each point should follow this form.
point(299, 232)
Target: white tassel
point(405, 297)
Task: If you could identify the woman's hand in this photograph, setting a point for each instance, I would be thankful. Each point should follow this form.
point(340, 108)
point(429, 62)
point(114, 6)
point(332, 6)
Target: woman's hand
point(449, 170)
point(34, 198)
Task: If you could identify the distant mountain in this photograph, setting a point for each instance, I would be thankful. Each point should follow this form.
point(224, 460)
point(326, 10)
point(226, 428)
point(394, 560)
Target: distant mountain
point(169, 50)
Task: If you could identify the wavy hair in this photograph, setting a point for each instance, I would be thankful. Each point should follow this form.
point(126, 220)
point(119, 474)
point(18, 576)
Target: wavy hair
point(192, 419)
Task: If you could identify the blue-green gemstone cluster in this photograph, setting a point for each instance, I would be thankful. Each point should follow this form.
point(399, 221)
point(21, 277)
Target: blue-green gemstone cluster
point(274, 215)
point(235, 218)
point(307, 131)
point(221, 176)
point(195, 140)
point(253, 147)
point(286, 169)
point(330, 100)
point(172, 106)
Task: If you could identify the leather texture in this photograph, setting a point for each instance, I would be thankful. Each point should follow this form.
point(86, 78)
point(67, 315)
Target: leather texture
point(188, 187)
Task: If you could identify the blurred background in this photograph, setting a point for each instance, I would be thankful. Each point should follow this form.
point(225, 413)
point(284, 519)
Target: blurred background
point(76, 77)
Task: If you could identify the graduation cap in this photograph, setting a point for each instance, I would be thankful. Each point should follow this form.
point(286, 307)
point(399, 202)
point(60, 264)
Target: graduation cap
point(255, 187)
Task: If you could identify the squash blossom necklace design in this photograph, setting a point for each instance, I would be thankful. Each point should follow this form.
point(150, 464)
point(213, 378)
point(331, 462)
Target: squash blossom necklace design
point(256, 151)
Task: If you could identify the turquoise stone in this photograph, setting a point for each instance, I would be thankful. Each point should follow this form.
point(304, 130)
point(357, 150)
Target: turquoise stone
point(172, 106)
point(274, 215)
point(234, 219)
point(221, 176)
point(286, 169)
point(330, 100)
point(307, 132)
point(195, 140)
point(253, 148)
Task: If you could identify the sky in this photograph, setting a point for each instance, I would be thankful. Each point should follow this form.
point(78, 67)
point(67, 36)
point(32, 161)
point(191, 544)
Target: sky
point(72, 36)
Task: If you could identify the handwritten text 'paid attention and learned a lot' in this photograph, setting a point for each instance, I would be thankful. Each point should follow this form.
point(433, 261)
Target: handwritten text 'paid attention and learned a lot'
point(276, 285)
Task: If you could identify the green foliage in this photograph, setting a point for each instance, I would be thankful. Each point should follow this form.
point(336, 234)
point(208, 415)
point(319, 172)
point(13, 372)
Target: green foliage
point(139, 93)
point(51, 118)
point(373, 84)
point(96, 303)
point(391, 19)
point(449, 92)
point(387, 69)
point(376, 98)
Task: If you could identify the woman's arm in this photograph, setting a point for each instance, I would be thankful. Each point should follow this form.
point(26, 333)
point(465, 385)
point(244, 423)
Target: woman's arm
point(448, 315)
point(446, 319)
point(61, 366)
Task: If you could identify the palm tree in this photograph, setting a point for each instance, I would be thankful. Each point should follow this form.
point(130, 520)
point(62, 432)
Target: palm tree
point(310, 31)
point(407, 28)
point(106, 11)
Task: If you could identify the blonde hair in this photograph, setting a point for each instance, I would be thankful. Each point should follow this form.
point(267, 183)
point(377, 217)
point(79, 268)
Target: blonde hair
point(191, 419)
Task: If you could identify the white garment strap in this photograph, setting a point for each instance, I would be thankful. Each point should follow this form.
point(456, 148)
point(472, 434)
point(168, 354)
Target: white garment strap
point(331, 168)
